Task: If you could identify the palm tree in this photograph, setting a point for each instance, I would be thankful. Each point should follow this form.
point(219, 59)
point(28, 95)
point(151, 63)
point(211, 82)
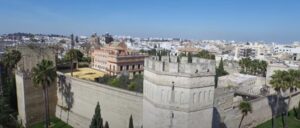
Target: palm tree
point(247, 62)
point(279, 84)
point(242, 65)
point(293, 81)
point(245, 107)
point(255, 66)
point(263, 67)
point(44, 74)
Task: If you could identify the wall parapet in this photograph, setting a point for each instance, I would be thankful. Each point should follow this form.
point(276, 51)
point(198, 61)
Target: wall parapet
point(170, 64)
point(102, 85)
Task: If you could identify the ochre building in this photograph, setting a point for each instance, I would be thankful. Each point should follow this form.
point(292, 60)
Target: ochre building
point(115, 57)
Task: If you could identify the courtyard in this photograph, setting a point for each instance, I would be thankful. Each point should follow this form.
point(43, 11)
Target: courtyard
point(85, 73)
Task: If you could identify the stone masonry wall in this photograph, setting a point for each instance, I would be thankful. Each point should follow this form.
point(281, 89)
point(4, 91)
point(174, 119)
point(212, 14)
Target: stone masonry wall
point(116, 104)
point(261, 112)
point(31, 102)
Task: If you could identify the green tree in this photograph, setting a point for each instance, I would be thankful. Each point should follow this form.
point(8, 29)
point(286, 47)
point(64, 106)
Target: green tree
point(254, 66)
point(77, 39)
point(220, 70)
point(205, 54)
point(73, 55)
point(10, 59)
point(5, 111)
point(190, 59)
point(72, 41)
point(97, 121)
point(44, 74)
point(108, 38)
point(106, 125)
point(245, 107)
point(293, 81)
point(263, 67)
point(279, 84)
point(130, 122)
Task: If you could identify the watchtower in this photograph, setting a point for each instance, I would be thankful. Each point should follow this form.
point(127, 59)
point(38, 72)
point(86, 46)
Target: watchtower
point(30, 99)
point(178, 94)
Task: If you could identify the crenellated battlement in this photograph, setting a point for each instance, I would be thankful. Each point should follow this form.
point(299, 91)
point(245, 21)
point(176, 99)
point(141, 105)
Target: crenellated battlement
point(173, 64)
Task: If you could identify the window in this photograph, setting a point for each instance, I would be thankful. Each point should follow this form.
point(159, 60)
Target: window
point(127, 67)
point(132, 67)
point(121, 68)
point(139, 66)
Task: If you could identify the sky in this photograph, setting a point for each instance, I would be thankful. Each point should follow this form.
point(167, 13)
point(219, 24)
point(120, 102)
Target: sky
point(245, 20)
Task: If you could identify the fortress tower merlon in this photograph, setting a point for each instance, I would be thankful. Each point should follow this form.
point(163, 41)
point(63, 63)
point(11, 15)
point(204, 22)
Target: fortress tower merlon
point(169, 64)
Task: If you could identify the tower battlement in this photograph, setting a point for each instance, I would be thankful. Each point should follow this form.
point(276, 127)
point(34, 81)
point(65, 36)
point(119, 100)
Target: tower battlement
point(176, 90)
point(174, 65)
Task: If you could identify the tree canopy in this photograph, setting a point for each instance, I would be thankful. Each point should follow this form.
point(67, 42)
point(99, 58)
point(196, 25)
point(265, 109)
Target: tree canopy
point(74, 54)
point(11, 58)
point(206, 55)
point(253, 67)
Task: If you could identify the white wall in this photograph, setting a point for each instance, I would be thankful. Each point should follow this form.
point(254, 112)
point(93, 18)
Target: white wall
point(116, 105)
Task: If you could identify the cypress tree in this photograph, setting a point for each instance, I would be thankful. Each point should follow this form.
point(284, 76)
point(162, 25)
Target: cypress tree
point(97, 121)
point(130, 122)
point(106, 125)
point(190, 58)
point(221, 65)
point(220, 69)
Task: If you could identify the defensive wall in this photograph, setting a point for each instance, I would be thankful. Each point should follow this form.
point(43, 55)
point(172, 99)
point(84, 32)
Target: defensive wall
point(78, 98)
point(30, 98)
point(262, 111)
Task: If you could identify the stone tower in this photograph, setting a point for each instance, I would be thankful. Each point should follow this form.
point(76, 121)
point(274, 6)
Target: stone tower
point(178, 94)
point(30, 98)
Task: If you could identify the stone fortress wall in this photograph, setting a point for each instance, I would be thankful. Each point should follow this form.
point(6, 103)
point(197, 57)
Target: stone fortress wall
point(262, 111)
point(82, 96)
point(30, 99)
point(178, 94)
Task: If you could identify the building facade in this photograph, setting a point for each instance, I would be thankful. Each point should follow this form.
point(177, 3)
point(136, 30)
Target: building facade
point(115, 58)
point(177, 93)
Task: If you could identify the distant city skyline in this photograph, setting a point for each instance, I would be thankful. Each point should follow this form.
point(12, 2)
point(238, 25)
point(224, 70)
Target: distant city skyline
point(255, 20)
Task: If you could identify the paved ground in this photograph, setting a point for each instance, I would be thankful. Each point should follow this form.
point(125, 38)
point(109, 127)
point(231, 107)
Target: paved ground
point(85, 73)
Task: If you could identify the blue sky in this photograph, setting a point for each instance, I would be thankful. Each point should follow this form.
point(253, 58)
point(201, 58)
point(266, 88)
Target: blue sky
point(247, 20)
